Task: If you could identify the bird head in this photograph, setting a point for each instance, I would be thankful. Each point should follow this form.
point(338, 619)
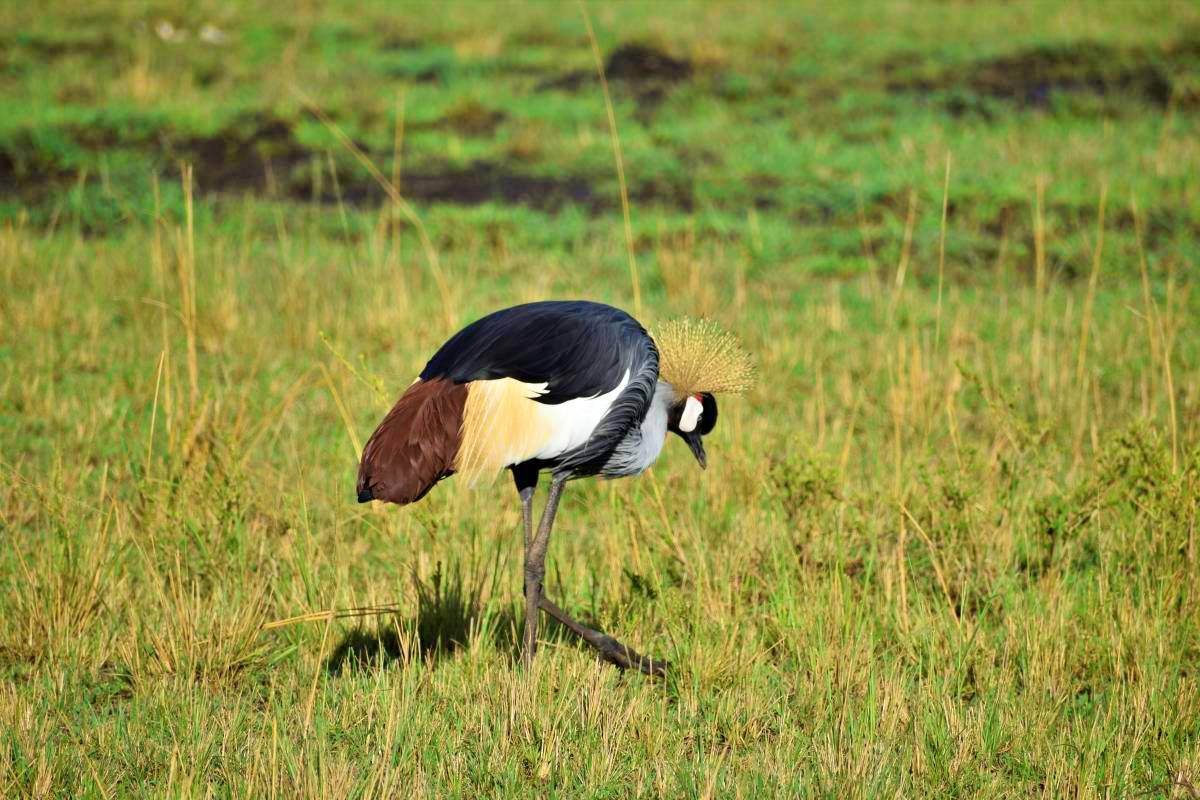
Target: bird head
point(699, 360)
point(693, 419)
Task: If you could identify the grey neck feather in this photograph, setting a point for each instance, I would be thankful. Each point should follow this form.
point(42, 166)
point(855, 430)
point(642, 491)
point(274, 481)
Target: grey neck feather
point(641, 446)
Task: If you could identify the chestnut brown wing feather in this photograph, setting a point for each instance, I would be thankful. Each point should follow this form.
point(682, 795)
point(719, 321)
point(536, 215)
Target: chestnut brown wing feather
point(415, 445)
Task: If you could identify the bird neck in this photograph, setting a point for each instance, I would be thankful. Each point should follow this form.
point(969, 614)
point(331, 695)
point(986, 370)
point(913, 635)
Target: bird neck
point(642, 445)
point(654, 426)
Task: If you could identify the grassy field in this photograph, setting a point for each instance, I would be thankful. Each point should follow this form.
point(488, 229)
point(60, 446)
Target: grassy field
point(947, 547)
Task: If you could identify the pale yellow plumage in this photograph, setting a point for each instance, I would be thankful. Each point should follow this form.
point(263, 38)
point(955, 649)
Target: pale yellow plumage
point(502, 425)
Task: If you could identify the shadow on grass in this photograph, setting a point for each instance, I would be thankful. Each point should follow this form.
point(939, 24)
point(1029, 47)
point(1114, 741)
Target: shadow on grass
point(450, 615)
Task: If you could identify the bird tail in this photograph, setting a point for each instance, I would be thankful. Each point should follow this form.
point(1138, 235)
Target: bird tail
point(415, 445)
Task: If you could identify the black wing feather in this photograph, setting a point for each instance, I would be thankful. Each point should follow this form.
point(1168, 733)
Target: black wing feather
point(578, 348)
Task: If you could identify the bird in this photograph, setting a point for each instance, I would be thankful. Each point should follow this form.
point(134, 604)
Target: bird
point(569, 388)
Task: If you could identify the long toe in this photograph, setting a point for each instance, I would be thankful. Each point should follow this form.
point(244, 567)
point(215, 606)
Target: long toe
point(653, 667)
point(624, 657)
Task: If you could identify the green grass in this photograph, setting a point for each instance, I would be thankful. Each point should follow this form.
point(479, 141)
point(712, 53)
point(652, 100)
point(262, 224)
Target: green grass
point(947, 547)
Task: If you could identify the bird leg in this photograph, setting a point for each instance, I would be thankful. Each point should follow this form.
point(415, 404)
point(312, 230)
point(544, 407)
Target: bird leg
point(526, 480)
point(610, 649)
point(535, 566)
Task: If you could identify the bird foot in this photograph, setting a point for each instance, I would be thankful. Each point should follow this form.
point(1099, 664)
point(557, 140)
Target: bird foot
point(612, 651)
point(625, 657)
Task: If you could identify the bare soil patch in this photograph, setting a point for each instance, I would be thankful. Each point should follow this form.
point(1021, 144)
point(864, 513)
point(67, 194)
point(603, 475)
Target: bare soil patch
point(1033, 77)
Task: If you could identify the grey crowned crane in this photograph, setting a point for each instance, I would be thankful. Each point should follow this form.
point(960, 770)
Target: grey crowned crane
point(574, 389)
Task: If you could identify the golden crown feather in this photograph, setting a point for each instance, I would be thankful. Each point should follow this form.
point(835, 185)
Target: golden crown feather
point(697, 355)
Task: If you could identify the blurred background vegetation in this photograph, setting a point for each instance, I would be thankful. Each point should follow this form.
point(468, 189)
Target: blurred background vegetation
point(797, 133)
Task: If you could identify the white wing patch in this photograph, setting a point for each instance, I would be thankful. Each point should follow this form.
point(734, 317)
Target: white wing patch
point(503, 424)
point(572, 422)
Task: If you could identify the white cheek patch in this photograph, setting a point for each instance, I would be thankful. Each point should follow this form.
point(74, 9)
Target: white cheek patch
point(691, 415)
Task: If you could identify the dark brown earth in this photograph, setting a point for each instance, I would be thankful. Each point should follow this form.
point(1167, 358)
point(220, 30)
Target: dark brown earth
point(1033, 78)
point(639, 67)
point(259, 154)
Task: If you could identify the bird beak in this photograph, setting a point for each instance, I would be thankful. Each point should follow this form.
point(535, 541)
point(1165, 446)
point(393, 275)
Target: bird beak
point(696, 444)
